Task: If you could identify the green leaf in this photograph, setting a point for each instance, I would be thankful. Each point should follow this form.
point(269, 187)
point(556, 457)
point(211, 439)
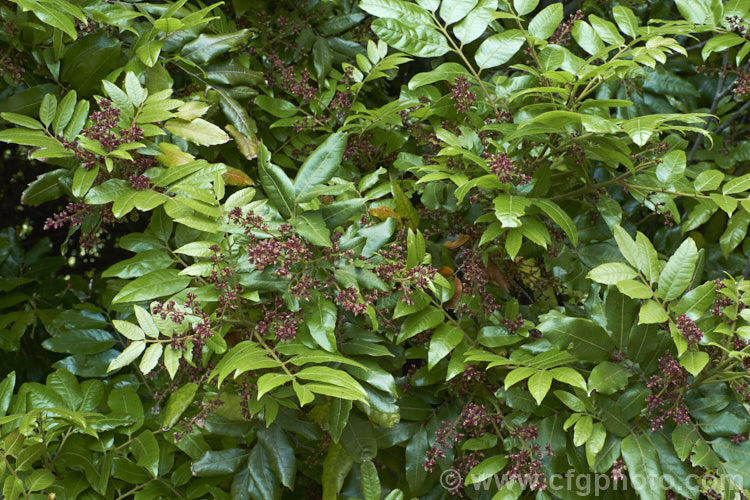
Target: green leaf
point(145, 448)
point(544, 24)
point(243, 357)
point(524, 7)
point(128, 355)
point(620, 312)
point(28, 456)
point(518, 374)
point(128, 330)
point(641, 129)
point(275, 183)
point(696, 302)
point(612, 273)
point(39, 479)
point(336, 467)
point(396, 9)
point(150, 358)
point(276, 107)
point(708, 180)
point(179, 401)
point(651, 312)
point(694, 361)
point(312, 228)
point(370, 481)
point(154, 284)
point(737, 185)
point(419, 40)
point(626, 20)
point(321, 165)
point(695, 12)
point(51, 16)
point(453, 11)
point(561, 218)
point(22, 120)
point(6, 391)
point(404, 207)
point(219, 463)
point(539, 385)
point(87, 62)
point(582, 430)
point(445, 72)
point(499, 49)
point(684, 438)
point(509, 209)
point(359, 439)
point(648, 260)
point(606, 30)
point(587, 38)
point(206, 47)
point(608, 378)
point(419, 322)
point(338, 416)
point(726, 203)
point(320, 317)
point(671, 168)
point(416, 450)
point(595, 443)
point(269, 381)
point(444, 340)
point(734, 233)
point(635, 289)
point(678, 273)
point(486, 469)
point(568, 375)
point(45, 188)
point(280, 453)
point(475, 23)
point(582, 338)
point(642, 460)
point(197, 131)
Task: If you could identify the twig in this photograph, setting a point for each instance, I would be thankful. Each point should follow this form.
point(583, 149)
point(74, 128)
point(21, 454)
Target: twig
point(714, 105)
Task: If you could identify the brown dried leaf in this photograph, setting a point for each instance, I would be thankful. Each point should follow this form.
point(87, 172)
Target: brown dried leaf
point(445, 271)
point(383, 213)
point(452, 245)
point(453, 302)
point(235, 177)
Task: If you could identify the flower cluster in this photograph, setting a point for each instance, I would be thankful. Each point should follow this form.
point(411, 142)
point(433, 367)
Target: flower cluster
point(665, 401)
point(222, 273)
point(446, 436)
point(475, 420)
point(199, 329)
point(285, 78)
point(561, 36)
point(476, 277)
point(72, 215)
point(104, 123)
point(463, 383)
point(739, 25)
point(277, 318)
point(463, 98)
point(689, 330)
point(526, 467)
point(505, 170)
point(742, 84)
point(618, 470)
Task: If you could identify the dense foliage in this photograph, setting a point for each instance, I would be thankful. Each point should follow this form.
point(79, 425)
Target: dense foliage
point(377, 249)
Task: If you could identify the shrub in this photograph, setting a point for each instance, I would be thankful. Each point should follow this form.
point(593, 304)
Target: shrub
point(377, 250)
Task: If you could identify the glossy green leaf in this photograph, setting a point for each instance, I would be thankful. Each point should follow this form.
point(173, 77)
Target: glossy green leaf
point(678, 272)
point(499, 49)
point(544, 24)
point(444, 340)
point(414, 39)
